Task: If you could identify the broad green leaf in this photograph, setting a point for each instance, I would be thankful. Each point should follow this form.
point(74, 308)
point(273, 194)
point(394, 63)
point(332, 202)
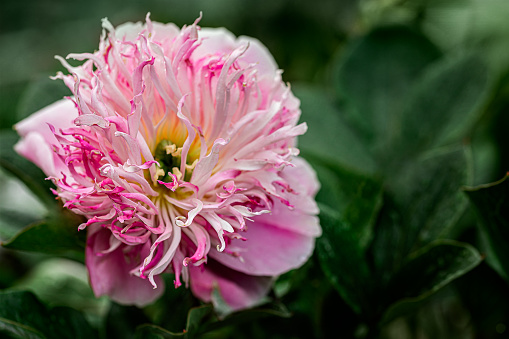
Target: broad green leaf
point(428, 193)
point(389, 247)
point(11, 222)
point(343, 261)
point(57, 235)
point(328, 139)
point(492, 204)
point(203, 319)
point(356, 197)
point(19, 330)
point(123, 321)
point(159, 310)
point(483, 292)
point(293, 280)
point(425, 272)
point(195, 317)
point(374, 77)
point(64, 282)
point(311, 299)
point(424, 202)
point(26, 171)
point(272, 309)
point(444, 105)
point(22, 315)
point(485, 155)
point(150, 331)
point(474, 24)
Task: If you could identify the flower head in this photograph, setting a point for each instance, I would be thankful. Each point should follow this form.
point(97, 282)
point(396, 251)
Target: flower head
point(178, 146)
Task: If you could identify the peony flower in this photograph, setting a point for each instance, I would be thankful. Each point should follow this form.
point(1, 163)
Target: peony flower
point(178, 147)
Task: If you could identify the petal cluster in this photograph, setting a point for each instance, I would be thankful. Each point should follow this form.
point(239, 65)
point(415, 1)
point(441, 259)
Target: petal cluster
point(179, 148)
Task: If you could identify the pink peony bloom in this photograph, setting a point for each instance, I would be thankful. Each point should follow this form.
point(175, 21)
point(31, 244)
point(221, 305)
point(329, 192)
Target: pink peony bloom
point(178, 146)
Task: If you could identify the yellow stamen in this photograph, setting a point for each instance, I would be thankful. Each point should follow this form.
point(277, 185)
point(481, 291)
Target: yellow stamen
point(170, 149)
point(177, 153)
point(159, 173)
point(177, 173)
point(192, 166)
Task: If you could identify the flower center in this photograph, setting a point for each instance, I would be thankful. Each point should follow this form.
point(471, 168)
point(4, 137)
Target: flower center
point(168, 173)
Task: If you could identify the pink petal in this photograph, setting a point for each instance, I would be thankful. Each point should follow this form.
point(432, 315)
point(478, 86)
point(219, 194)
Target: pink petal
point(37, 139)
point(302, 219)
point(34, 148)
point(60, 114)
point(259, 54)
point(292, 220)
point(237, 289)
point(302, 177)
point(268, 250)
point(221, 40)
point(109, 273)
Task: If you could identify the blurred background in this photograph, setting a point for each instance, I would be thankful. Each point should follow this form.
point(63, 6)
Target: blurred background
point(310, 41)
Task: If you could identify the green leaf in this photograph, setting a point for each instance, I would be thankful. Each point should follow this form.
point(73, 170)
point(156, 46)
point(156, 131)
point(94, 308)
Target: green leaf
point(202, 319)
point(22, 315)
point(57, 235)
point(312, 300)
point(11, 222)
point(425, 272)
point(429, 192)
point(374, 78)
point(64, 282)
point(328, 139)
point(423, 203)
point(276, 309)
point(444, 105)
point(150, 331)
point(19, 330)
point(123, 321)
point(195, 317)
point(482, 291)
point(26, 171)
point(293, 280)
point(492, 204)
point(342, 260)
point(356, 197)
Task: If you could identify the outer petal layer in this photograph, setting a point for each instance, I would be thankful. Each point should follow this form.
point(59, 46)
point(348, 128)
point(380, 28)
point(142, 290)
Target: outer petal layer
point(60, 115)
point(109, 272)
point(268, 250)
point(38, 140)
point(302, 218)
point(237, 289)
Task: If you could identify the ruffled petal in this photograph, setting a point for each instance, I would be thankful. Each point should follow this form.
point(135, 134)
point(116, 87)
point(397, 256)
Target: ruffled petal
point(302, 218)
point(109, 271)
point(221, 40)
point(238, 290)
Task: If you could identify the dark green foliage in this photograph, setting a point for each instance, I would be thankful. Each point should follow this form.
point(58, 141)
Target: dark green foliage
point(23, 316)
point(492, 204)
